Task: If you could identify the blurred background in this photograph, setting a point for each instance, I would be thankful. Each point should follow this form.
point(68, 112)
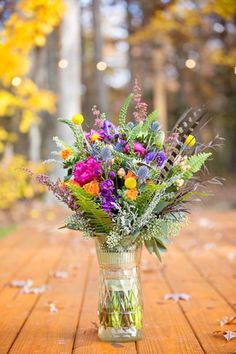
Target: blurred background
point(61, 57)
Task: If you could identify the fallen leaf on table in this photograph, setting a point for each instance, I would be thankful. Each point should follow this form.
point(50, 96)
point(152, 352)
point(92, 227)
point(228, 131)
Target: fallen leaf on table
point(60, 275)
point(117, 345)
point(229, 335)
point(177, 296)
point(227, 320)
point(209, 246)
point(39, 290)
point(231, 256)
point(205, 223)
point(21, 283)
point(52, 307)
point(95, 324)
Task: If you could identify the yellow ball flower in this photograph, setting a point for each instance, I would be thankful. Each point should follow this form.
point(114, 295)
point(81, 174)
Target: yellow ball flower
point(190, 140)
point(130, 183)
point(77, 119)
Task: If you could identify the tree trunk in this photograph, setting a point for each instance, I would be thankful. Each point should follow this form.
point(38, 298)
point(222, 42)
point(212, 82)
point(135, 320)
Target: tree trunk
point(100, 88)
point(38, 75)
point(159, 89)
point(70, 77)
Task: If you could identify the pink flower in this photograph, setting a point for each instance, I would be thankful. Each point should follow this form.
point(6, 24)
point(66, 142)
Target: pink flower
point(139, 149)
point(87, 171)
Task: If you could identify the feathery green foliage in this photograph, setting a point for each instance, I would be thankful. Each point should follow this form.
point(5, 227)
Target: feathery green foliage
point(143, 200)
point(98, 219)
point(123, 112)
point(152, 117)
point(196, 162)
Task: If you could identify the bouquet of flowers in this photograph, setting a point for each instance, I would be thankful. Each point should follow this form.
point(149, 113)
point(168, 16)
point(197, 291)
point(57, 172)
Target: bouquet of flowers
point(127, 185)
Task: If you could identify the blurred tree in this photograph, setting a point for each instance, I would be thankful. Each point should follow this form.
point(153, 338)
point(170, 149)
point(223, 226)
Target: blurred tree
point(198, 39)
point(100, 89)
point(25, 27)
point(20, 99)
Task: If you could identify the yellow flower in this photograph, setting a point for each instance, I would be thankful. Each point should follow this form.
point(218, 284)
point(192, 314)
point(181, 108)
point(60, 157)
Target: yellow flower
point(77, 119)
point(190, 140)
point(131, 194)
point(65, 153)
point(94, 137)
point(130, 183)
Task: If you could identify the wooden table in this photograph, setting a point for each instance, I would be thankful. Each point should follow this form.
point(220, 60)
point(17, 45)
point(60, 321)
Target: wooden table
point(201, 263)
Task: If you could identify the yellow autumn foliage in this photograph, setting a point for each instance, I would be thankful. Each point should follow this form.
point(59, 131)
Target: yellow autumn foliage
point(15, 183)
point(27, 27)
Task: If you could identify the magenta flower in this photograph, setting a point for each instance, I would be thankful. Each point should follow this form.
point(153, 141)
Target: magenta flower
point(139, 149)
point(87, 171)
point(126, 149)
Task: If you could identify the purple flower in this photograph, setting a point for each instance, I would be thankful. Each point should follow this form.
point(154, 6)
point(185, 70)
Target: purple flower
point(112, 174)
point(107, 188)
point(150, 157)
point(87, 171)
point(139, 149)
point(108, 131)
point(161, 158)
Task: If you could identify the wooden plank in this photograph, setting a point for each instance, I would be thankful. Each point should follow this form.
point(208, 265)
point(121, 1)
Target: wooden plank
point(14, 306)
point(20, 253)
point(46, 332)
point(166, 329)
point(86, 341)
point(205, 308)
point(213, 267)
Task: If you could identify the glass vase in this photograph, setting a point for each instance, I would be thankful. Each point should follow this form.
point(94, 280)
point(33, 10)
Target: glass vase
point(120, 306)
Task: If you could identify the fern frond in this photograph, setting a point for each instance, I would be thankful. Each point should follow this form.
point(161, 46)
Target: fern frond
point(143, 200)
point(152, 117)
point(98, 219)
point(123, 112)
point(196, 162)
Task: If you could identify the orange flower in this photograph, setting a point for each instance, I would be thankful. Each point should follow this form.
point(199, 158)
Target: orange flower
point(92, 188)
point(65, 153)
point(130, 174)
point(131, 193)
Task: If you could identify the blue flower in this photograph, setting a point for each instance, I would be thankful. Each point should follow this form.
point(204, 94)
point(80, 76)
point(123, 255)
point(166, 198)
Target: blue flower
point(106, 153)
point(143, 173)
point(155, 126)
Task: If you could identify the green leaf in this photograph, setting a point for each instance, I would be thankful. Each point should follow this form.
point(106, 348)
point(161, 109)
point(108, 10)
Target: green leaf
point(98, 218)
point(196, 162)
point(123, 112)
